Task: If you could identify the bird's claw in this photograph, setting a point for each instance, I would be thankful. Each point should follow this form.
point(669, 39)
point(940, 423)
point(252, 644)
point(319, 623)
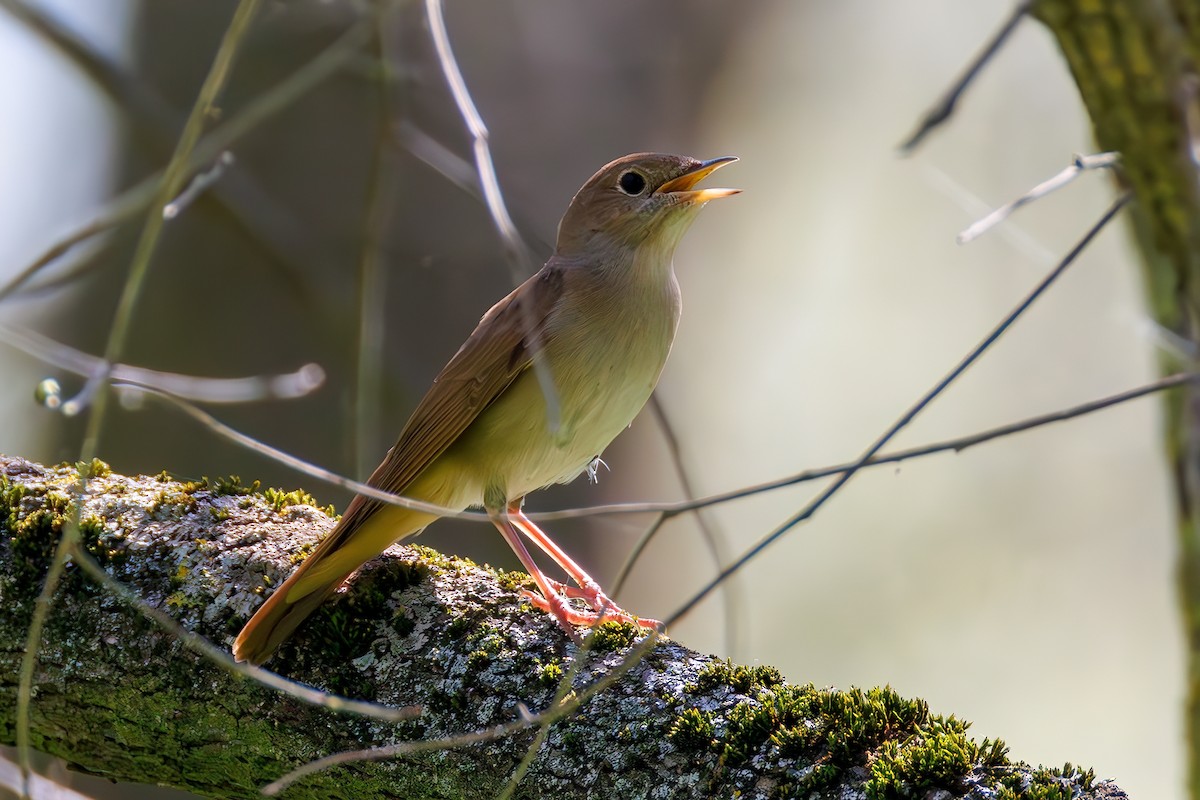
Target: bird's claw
point(605, 610)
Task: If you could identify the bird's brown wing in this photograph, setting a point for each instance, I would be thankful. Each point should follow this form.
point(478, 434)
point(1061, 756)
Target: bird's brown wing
point(500, 348)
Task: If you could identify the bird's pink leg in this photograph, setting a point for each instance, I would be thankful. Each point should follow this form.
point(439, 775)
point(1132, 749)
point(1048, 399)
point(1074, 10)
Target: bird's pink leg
point(588, 590)
point(551, 601)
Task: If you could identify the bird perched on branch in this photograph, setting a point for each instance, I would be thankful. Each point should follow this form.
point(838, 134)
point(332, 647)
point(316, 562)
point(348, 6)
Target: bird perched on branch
point(550, 376)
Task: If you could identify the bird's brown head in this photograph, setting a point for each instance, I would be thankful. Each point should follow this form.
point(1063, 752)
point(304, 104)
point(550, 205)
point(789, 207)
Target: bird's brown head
point(637, 199)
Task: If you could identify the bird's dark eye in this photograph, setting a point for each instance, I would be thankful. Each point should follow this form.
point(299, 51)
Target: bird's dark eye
point(631, 183)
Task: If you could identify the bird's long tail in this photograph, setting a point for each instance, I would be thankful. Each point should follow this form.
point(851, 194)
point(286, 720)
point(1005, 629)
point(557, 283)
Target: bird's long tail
point(358, 538)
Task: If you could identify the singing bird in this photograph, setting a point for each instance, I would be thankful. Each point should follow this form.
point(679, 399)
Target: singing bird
point(552, 373)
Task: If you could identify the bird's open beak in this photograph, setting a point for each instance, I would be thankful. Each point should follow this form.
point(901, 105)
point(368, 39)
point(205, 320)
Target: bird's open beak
point(682, 186)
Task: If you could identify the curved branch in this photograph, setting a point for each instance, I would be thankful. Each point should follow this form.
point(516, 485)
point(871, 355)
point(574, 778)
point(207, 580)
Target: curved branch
point(119, 696)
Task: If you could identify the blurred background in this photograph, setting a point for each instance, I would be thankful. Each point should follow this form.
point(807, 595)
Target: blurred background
point(1026, 585)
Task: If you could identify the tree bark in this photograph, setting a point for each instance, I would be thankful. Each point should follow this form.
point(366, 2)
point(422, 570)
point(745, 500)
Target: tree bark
point(1134, 62)
point(116, 695)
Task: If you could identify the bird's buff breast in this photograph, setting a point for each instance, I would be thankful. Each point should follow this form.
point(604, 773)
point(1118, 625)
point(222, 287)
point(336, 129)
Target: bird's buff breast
point(601, 370)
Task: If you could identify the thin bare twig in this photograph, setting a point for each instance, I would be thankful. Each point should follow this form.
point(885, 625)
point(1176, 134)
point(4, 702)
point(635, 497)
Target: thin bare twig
point(812, 507)
point(1079, 165)
point(138, 198)
point(672, 509)
point(440, 158)
point(200, 182)
point(298, 464)
point(957, 445)
point(640, 547)
point(516, 252)
point(123, 209)
point(732, 590)
point(155, 123)
point(974, 207)
point(941, 111)
point(253, 388)
point(454, 168)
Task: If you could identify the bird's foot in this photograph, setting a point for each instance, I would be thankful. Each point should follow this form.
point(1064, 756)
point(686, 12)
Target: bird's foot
point(603, 609)
point(562, 611)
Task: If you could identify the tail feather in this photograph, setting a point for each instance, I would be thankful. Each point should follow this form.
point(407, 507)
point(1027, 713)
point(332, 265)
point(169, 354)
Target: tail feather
point(357, 539)
point(277, 619)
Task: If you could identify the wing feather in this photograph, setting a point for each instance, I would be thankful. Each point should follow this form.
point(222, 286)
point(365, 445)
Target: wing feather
point(500, 349)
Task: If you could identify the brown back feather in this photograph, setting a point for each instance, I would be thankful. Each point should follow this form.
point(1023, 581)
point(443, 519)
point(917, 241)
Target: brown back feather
point(500, 349)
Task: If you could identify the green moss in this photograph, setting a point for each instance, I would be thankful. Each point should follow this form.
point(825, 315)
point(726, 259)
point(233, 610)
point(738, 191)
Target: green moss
point(549, 674)
point(429, 557)
point(93, 469)
point(818, 778)
point(33, 540)
point(796, 740)
point(1086, 778)
point(938, 756)
point(573, 743)
point(345, 629)
point(858, 720)
point(748, 726)
point(10, 503)
point(222, 749)
point(402, 624)
point(107, 547)
point(907, 750)
point(402, 574)
point(443, 702)
point(515, 581)
point(33, 522)
point(179, 601)
point(278, 499)
point(692, 731)
point(230, 486)
point(233, 486)
point(837, 730)
point(302, 552)
point(459, 626)
point(609, 637)
point(489, 643)
point(178, 501)
point(56, 502)
point(742, 679)
point(1046, 783)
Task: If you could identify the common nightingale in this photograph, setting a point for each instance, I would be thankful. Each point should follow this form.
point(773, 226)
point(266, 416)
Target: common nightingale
point(552, 373)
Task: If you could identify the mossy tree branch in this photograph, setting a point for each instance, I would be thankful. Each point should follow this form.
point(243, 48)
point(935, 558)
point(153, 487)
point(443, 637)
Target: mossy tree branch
point(118, 697)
